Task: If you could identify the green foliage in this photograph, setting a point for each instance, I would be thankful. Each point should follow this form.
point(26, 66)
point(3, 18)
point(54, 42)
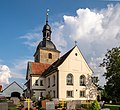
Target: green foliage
point(112, 107)
point(95, 105)
point(86, 106)
point(111, 62)
point(95, 80)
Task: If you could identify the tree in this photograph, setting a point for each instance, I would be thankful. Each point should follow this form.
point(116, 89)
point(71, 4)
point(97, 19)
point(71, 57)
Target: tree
point(91, 87)
point(111, 62)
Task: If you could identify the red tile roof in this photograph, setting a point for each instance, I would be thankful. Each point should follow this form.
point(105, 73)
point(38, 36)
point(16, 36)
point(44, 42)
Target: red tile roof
point(38, 68)
point(0, 87)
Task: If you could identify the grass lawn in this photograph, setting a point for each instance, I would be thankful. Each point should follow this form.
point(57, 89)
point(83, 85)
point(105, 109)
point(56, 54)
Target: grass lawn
point(112, 107)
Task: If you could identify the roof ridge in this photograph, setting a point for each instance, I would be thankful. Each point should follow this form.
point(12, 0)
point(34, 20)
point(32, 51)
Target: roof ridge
point(11, 84)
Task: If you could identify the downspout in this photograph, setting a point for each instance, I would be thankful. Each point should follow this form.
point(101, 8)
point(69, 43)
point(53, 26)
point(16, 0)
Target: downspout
point(57, 83)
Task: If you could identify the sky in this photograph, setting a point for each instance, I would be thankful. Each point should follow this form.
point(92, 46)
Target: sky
point(94, 24)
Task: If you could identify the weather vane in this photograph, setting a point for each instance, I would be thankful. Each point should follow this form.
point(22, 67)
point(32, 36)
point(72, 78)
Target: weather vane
point(47, 15)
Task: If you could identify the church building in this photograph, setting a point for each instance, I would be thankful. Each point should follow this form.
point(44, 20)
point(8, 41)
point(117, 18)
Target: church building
point(67, 77)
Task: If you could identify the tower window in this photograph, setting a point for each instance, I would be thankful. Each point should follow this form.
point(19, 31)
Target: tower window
point(50, 56)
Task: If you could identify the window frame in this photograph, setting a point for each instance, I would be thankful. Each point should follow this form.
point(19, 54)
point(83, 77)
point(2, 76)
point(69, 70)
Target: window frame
point(48, 82)
point(53, 80)
point(68, 80)
point(69, 93)
point(82, 93)
point(41, 94)
point(41, 83)
point(36, 83)
point(82, 80)
point(50, 55)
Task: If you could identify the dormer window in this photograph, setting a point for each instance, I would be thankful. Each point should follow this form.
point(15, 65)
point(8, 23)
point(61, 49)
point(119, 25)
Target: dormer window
point(50, 56)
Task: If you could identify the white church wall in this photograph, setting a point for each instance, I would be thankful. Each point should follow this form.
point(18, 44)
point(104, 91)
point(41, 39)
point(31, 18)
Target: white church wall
point(76, 65)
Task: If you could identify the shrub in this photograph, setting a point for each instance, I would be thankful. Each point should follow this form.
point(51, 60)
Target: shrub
point(95, 105)
point(86, 106)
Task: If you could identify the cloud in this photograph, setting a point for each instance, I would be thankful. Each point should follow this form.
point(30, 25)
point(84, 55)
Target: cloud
point(94, 64)
point(32, 39)
point(19, 67)
point(5, 74)
point(94, 30)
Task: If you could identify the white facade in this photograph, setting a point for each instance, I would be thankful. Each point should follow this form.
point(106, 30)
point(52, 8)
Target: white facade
point(76, 65)
point(55, 82)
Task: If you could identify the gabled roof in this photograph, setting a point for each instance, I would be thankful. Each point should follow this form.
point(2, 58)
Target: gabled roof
point(13, 83)
point(36, 68)
point(57, 63)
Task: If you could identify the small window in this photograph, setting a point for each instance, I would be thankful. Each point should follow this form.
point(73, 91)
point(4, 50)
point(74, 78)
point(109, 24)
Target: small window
point(69, 79)
point(82, 93)
point(41, 94)
point(50, 56)
point(41, 82)
point(36, 82)
point(53, 80)
point(82, 80)
point(75, 54)
point(69, 93)
point(48, 82)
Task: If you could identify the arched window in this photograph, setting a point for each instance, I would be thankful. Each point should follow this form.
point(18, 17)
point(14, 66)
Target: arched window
point(82, 80)
point(69, 79)
point(49, 55)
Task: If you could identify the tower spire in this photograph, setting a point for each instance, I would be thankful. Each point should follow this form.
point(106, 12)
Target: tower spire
point(47, 16)
point(47, 29)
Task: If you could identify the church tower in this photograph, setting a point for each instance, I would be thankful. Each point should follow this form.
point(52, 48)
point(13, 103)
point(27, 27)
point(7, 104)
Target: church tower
point(46, 51)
